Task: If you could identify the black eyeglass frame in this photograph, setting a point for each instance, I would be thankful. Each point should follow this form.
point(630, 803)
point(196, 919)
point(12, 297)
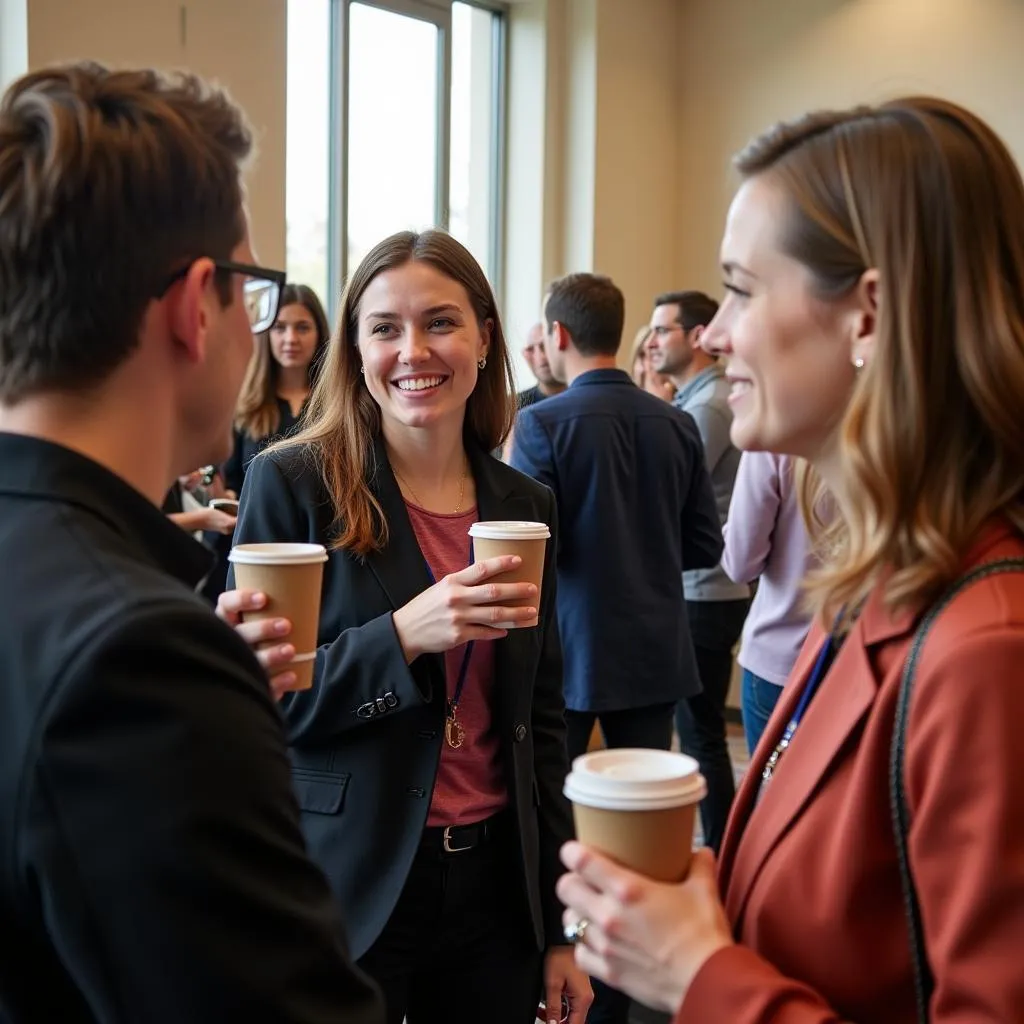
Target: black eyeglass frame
point(275, 277)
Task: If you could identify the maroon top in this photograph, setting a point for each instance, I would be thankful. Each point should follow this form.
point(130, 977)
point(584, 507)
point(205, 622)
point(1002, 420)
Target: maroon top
point(470, 785)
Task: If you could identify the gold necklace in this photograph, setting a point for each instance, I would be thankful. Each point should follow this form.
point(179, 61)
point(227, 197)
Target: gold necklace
point(415, 496)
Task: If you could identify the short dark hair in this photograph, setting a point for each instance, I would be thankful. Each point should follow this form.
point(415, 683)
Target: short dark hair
point(109, 182)
point(591, 308)
point(696, 309)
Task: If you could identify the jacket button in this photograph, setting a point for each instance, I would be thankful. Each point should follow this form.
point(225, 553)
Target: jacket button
point(520, 733)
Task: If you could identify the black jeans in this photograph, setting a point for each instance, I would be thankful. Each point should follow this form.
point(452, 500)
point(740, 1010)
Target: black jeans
point(715, 627)
point(635, 727)
point(459, 944)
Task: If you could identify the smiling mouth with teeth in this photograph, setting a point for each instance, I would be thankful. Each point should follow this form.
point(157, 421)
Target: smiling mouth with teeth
point(419, 383)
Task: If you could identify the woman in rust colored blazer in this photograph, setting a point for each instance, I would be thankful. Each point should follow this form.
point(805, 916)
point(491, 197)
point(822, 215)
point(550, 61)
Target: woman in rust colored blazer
point(873, 261)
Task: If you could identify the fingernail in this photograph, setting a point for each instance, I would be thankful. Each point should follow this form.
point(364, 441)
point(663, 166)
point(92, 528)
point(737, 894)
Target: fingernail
point(286, 651)
point(281, 626)
point(286, 680)
point(258, 598)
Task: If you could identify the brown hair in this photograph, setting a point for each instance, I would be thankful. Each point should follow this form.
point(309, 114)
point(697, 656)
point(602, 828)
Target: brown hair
point(257, 413)
point(591, 308)
point(696, 309)
point(109, 180)
point(343, 420)
point(931, 442)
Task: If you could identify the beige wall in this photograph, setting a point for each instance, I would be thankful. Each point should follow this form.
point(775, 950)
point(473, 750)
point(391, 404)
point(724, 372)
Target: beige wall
point(241, 43)
point(593, 120)
point(751, 62)
point(636, 192)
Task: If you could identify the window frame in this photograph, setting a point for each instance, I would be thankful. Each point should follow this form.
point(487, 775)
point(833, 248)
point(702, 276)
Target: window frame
point(439, 14)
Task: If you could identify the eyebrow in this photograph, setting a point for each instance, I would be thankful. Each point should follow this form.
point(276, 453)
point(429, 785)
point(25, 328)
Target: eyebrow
point(445, 307)
point(732, 267)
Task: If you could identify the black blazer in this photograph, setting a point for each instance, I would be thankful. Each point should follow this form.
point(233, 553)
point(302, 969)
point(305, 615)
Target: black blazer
point(153, 866)
point(246, 447)
point(366, 740)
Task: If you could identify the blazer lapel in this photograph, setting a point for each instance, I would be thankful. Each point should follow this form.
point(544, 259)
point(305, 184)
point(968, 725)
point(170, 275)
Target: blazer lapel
point(846, 695)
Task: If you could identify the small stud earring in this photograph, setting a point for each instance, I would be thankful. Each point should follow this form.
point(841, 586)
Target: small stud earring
point(481, 362)
point(362, 370)
point(858, 363)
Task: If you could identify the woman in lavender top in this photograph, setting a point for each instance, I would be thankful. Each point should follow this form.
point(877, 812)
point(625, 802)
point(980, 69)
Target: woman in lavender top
point(766, 539)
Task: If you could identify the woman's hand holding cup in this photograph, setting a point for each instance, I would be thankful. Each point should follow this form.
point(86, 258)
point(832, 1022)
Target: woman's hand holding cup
point(466, 605)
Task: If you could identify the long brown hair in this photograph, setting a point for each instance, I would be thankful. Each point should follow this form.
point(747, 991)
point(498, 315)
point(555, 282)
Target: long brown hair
point(343, 420)
point(257, 413)
point(931, 442)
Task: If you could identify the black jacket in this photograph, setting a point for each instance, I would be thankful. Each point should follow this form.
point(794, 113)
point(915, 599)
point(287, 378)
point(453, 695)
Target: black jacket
point(152, 865)
point(364, 783)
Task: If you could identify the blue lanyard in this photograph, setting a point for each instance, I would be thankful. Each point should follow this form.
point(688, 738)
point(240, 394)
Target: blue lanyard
point(821, 667)
point(460, 681)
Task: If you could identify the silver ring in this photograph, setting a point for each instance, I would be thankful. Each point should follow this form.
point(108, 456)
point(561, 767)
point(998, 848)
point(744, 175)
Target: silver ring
point(576, 932)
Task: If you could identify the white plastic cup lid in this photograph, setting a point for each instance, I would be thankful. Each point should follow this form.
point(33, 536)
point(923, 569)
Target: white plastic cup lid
point(635, 780)
point(509, 530)
point(278, 554)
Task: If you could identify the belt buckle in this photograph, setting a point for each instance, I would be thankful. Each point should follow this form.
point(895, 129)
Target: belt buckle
point(447, 842)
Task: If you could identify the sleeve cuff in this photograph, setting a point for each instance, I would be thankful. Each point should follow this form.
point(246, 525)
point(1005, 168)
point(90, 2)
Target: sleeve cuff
point(736, 986)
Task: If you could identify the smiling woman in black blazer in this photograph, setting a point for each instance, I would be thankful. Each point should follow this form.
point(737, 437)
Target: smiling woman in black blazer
point(443, 853)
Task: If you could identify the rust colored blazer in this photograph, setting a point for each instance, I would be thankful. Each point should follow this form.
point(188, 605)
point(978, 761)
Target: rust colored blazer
point(809, 873)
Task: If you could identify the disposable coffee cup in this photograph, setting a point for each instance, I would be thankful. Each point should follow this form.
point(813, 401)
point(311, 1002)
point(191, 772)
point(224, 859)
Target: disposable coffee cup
point(638, 807)
point(291, 576)
point(528, 541)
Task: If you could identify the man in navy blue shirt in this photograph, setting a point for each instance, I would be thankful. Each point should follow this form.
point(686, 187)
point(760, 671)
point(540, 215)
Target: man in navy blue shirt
point(635, 508)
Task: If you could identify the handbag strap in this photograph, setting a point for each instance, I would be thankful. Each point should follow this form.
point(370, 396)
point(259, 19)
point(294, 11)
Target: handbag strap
point(923, 981)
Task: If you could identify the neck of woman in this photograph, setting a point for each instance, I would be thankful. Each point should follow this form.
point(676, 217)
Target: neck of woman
point(431, 465)
point(293, 384)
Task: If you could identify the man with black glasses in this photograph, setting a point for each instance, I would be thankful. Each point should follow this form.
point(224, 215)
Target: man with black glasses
point(153, 866)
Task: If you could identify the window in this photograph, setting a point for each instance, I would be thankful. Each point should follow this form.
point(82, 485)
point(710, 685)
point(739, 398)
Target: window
point(307, 156)
point(477, 95)
point(392, 126)
point(395, 121)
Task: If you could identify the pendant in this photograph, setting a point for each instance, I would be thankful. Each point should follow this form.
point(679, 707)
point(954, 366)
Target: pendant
point(454, 733)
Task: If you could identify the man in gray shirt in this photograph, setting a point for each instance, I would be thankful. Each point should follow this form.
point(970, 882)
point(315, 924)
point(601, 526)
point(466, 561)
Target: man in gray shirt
point(716, 607)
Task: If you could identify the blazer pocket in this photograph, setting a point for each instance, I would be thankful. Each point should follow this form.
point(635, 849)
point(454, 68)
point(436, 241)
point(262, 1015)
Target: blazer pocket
point(320, 792)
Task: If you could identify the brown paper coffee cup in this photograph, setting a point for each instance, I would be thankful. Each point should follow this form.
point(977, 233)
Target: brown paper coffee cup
point(638, 807)
point(291, 576)
point(528, 541)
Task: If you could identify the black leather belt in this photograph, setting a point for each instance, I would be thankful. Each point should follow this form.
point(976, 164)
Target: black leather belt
point(461, 838)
